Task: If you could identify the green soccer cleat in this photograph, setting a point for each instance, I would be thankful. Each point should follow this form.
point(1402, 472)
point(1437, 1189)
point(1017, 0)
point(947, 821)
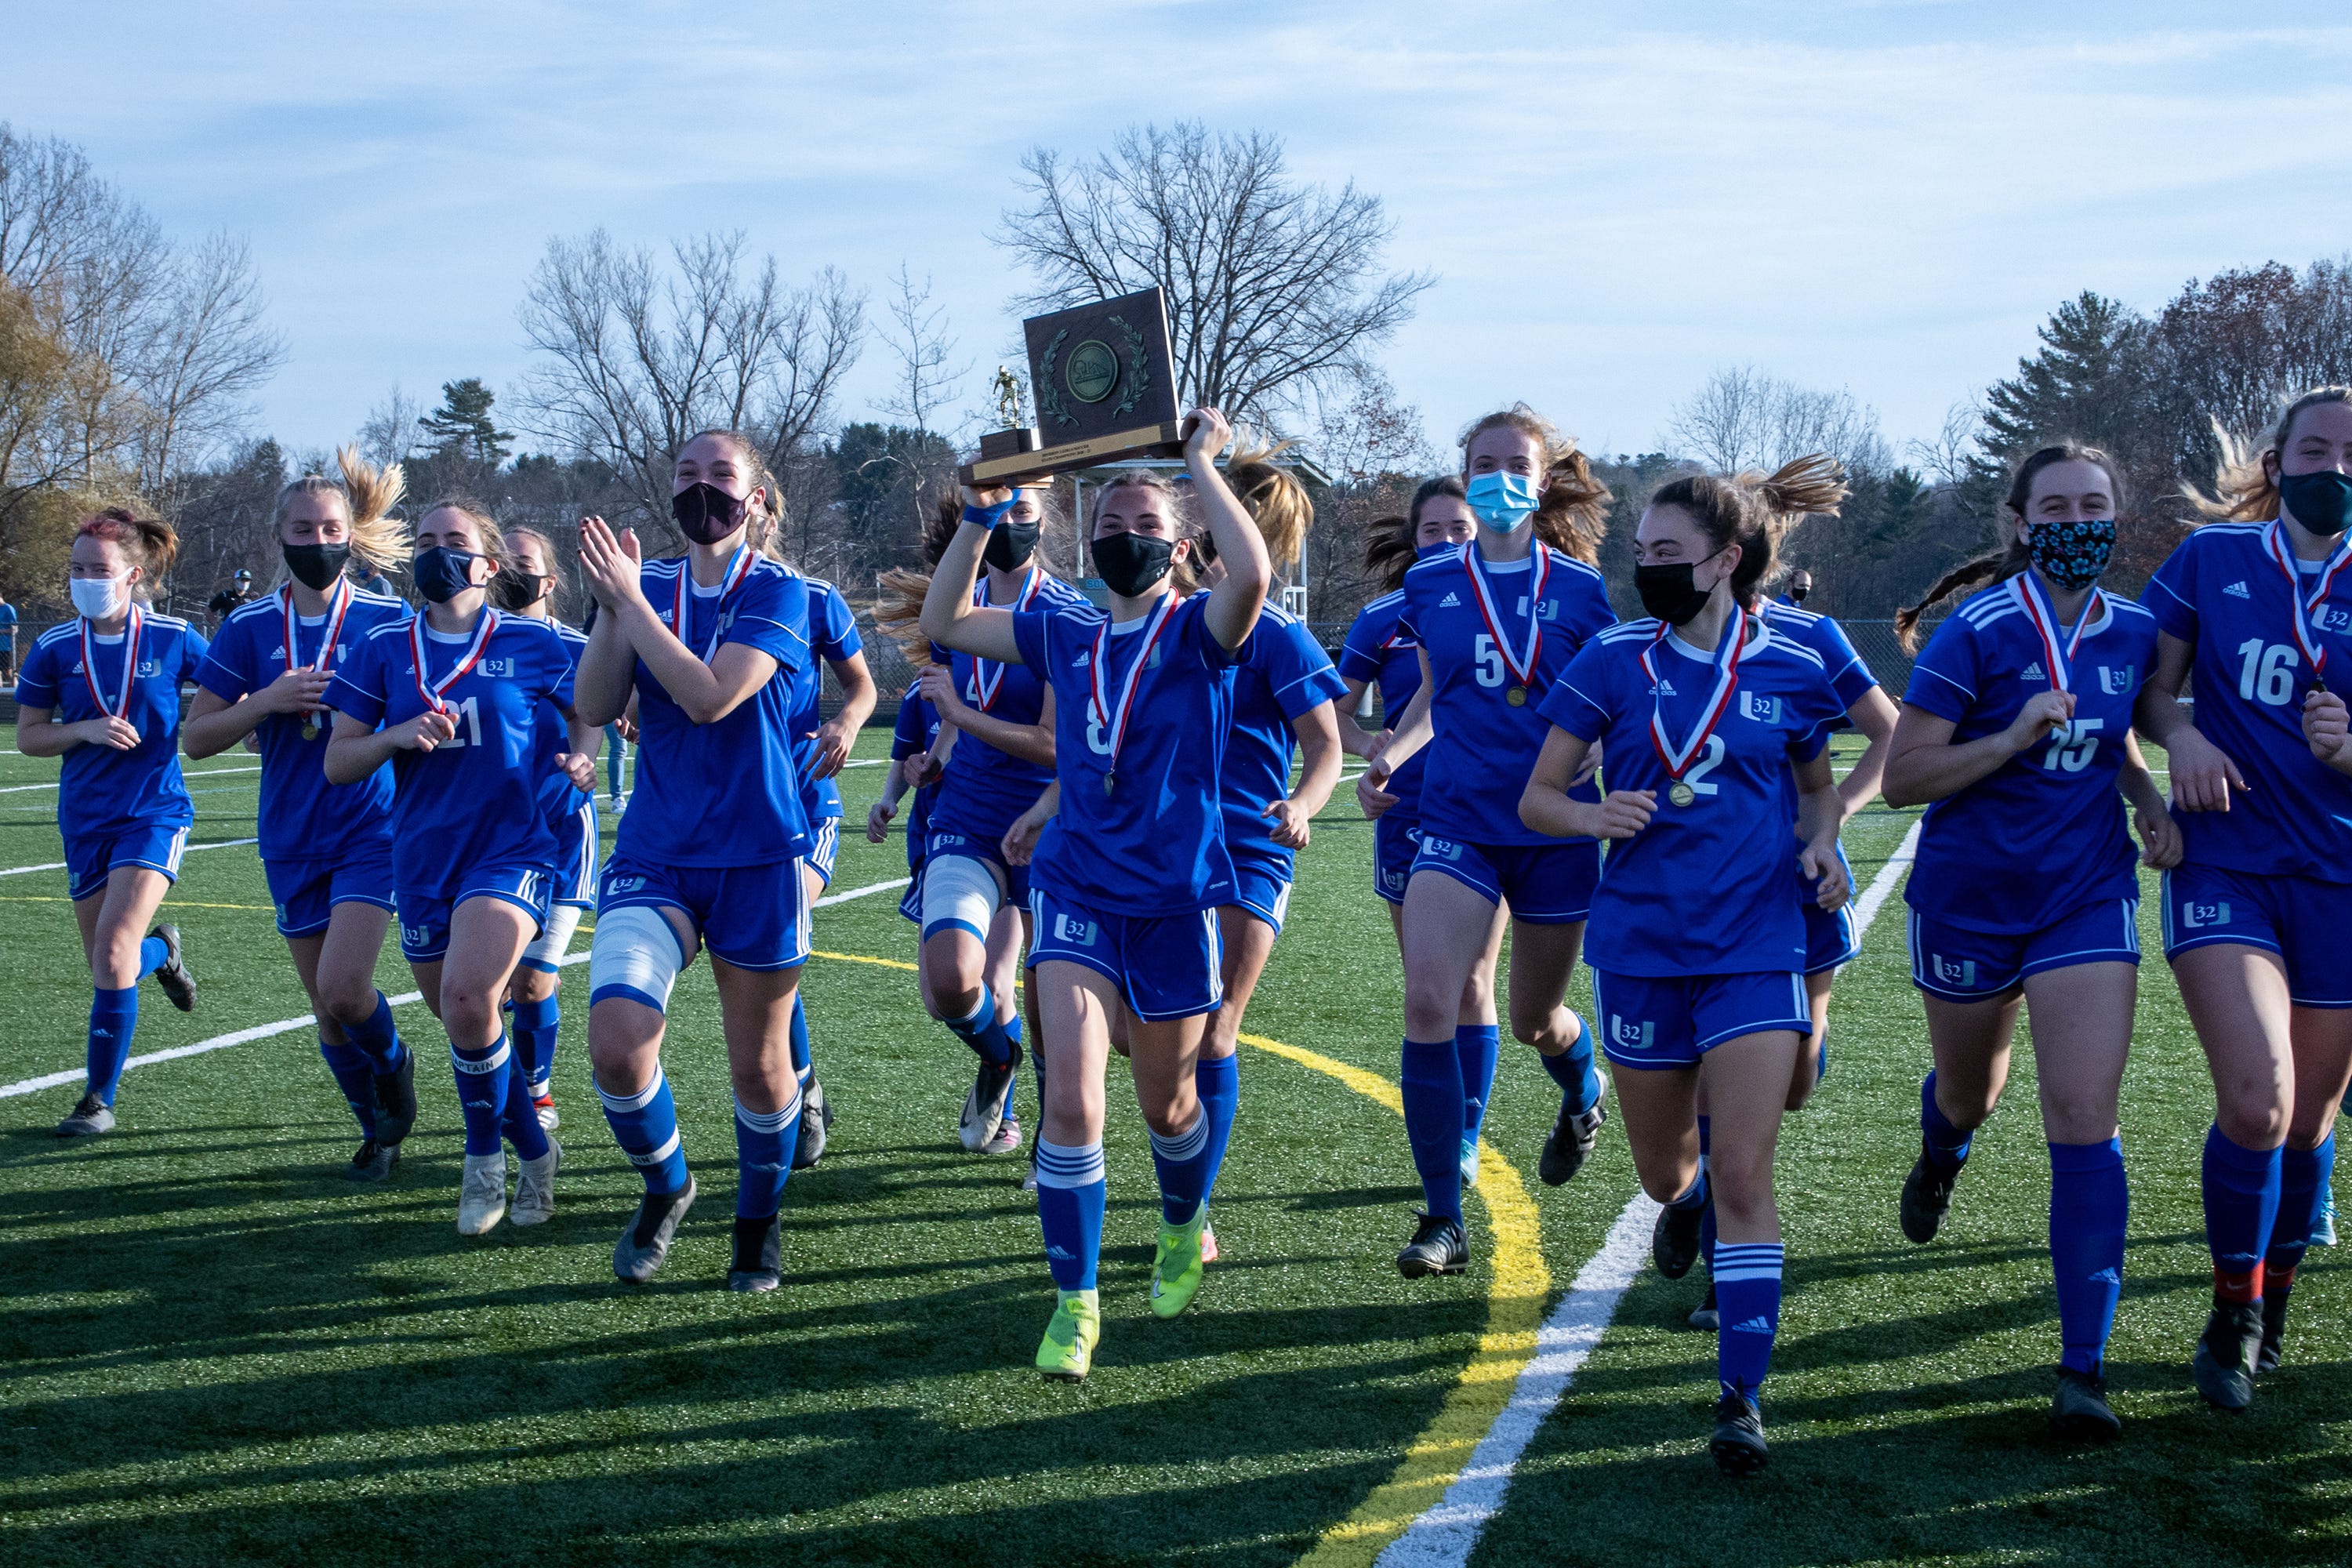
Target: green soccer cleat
point(1068, 1351)
point(1176, 1268)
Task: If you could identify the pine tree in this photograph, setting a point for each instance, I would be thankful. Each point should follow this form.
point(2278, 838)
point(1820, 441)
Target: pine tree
point(2088, 381)
point(462, 426)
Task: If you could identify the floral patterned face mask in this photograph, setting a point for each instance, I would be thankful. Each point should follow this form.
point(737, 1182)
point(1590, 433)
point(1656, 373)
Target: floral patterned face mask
point(2071, 555)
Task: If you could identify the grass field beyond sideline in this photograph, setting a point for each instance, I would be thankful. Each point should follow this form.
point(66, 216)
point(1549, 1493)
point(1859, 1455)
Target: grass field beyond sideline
point(215, 1350)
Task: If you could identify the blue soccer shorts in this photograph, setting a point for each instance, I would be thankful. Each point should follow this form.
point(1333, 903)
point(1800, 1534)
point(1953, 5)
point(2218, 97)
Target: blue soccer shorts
point(1962, 965)
point(1648, 1021)
point(88, 861)
point(1165, 966)
point(1262, 886)
point(2301, 918)
point(1396, 839)
point(575, 858)
point(306, 891)
point(425, 917)
point(753, 917)
point(1545, 884)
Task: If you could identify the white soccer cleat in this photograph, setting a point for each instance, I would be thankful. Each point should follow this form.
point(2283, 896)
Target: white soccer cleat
point(534, 1199)
point(482, 1193)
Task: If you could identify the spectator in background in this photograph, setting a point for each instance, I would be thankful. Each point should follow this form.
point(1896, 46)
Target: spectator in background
point(8, 641)
point(1801, 583)
point(238, 593)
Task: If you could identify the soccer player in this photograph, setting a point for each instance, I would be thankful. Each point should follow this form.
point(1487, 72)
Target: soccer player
point(709, 644)
point(102, 690)
point(567, 792)
point(2256, 604)
point(1497, 619)
point(1702, 711)
point(1379, 652)
point(1128, 875)
point(450, 697)
point(2017, 732)
point(326, 848)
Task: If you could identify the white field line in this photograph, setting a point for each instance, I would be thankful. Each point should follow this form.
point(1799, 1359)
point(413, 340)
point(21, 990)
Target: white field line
point(190, 849)
point(1447, 1530)
point(866, 891)
point(208, 774)
point(288, 1026)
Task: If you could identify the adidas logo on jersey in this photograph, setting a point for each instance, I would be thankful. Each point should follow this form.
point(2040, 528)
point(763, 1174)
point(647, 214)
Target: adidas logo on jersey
point(2034, 673)
point(1062, 1253)
point(1084, 657)
point(2237, 591)
point(1449, 602)
point(1758, 1325)
point(1665, 687)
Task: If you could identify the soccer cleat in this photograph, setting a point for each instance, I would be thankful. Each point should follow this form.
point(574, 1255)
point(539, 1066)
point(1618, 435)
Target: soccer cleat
point(1176, 1265)
point(2322, 1228)
point(2227, 1353)
point(1209, 1253)
point(90, 1117)
point(1673, 1238)
point(983, 1108)
point(1007, 1139)
point(543, 1107)
point(534, 1199)
point(179, 983)
point(482, 1193)
point(1438, 1246)
point(1469, 1162)
point(2274, 1328)
point(1927, 1197)
point(396, 1101)
point(1704, 1316)
point(646, 1242)
point(2079, 1409)
point(1738, 1442)
point(1029, 1180)
point(1068, 1351)
point(759, 1262)
point(373, 1162)
point(1572, 1137)
point(816, 1121)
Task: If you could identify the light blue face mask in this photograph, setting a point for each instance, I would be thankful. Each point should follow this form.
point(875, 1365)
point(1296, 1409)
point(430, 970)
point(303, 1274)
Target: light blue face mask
point(1502, 501)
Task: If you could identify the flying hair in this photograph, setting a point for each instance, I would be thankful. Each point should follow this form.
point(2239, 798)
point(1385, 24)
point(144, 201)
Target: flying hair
point(2000, 565)
point(1572, 515)
point(898, 606)
point(2243, 489)
point(1392, 543)
point(151, 542)
point(1756, 510)
point(379, 539)
point(1273, 496)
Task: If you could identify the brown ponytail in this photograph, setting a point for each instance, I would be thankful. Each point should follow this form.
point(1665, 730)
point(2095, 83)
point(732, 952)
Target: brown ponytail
point(1393, 543)
point(1756, 510)
point(1273, 496)
point(151, 543)
point(1572, 514)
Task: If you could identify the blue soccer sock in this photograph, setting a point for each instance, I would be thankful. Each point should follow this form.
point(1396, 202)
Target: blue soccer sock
point(1946, 1146)
point(1579, 1085)
point(1070, 1190)
point(1432, 1081)
point(1480, 1047)
point(1218, 1081)
point(113, 1019)
point(519, 1118)
point(801, 1057)
point(152, 955)
point(2089, 1204)
point(980, 1029)
point(645, 1127)
point(764, 1142)
point(1747, 1298)
point(483, 1079)
point(377, 1039)
point(1182, 1160)
point(2304, 1175)
point(355, 1077)
point(2241, 1205)
point(536, 1025)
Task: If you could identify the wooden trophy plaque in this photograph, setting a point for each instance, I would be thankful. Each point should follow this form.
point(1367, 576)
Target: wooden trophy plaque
point(1104, 383)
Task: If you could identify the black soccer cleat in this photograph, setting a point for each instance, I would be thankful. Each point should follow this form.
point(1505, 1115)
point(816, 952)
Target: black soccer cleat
point(2227, 1353)
point(984, 1109)
point(90, 1117)
point(1438, 1246)
point(1673, 1238)
point(646, 1243)
point(2079, 1409)
point(373, 1162)
point(179, 982)
point(1573, 1138)
point(1738, 1441)
point(396, 1101)
point(759, 1255)
point(1707, 1317)
point(1927, 1197)
point(816, 1121)
point(2274, 1329)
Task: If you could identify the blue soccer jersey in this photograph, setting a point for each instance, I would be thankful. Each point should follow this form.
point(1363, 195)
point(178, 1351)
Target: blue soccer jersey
point(2223, 591)
point(916, 729)
point(985, 789)
point(1284, 675)
point(303, 817)
point(474, 800)
point(1380, 652)
point(557, 796)
point(1710, 887)
point(1848, 676)
point(1152, 844)
point(1486, 745)
point(101, 791)
point(2043, 834)
point(728, 794)
point(832, 637)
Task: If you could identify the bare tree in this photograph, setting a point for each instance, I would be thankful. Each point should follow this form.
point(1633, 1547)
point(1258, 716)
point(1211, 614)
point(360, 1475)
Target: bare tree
point(201, 354)
point(1272, 285)
point(1953, 456)
point(640, 355)
point(925, 381)
point(1743, 419)
point(392, 428)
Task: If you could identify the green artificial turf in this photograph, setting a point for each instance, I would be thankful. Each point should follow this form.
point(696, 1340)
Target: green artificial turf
point(213, 1349)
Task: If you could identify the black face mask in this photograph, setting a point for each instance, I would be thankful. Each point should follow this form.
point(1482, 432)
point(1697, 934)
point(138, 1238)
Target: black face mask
point(2322, 502)
point(1130, 564)
point(1009, 544)
point(1797, 592)
point(705, 514)
point(316, 566)
point(516, 590)
point(1668, 593)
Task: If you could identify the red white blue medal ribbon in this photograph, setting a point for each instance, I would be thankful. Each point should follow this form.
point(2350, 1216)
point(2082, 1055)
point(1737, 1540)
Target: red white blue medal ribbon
point(432, 690)
point(987, 675)
point(738, 566)
point(2057, 653)
point(130, 629)
point(1113, 722)
point(1678, 759)
point(339, 605)
point(2306, 605)
point(1522, 667)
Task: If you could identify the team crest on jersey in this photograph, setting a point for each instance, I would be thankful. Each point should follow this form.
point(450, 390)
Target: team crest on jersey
point(498, 669)
point(1080, 933)
point(623, 884)
point(1632, 1036)
point(2194, 915)
point(1443, 848)
point(1549, 611)
point(1393, 881)
point(2336, 620)
point(2118, 682)
point(1763, 709)
point(1961, 973)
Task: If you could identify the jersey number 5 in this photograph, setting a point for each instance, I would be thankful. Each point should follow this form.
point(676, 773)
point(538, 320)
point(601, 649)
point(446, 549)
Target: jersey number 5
point(1490, 660)
point(2268, 675)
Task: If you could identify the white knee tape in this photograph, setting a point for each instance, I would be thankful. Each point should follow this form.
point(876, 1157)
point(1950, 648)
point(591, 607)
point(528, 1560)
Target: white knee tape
point(554, 938)
point(960, 892)
point(635, 950)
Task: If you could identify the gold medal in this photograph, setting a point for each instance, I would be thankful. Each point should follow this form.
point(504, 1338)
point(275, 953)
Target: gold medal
point(1106, 783)
point(309, 727)
point(1682, 793)
point(1517, 697)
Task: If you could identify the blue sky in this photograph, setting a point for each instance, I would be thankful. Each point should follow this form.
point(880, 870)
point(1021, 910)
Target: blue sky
point(1618, 198)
